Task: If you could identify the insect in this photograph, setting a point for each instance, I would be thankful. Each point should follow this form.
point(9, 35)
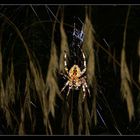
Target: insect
point(76, 78)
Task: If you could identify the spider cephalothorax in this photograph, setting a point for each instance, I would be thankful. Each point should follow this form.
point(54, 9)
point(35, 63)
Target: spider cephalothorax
point(76, 78)
point(74, 74)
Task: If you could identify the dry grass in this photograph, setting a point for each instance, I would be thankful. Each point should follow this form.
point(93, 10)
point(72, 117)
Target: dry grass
point(46, 91)
point(88, 48)
point(126, 85)
point(21, 125)
point(64, 46)
point(51, 81)
point(138, 98)
point(125, 76)
point(139, 57)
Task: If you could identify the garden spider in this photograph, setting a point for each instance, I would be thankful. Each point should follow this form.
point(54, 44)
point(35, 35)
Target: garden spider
point(75, 77)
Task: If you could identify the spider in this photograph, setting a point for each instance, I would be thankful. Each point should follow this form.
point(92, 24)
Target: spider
point(75, 76)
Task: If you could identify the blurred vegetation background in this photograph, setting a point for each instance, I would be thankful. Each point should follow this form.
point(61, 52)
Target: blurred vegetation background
point(32, 43)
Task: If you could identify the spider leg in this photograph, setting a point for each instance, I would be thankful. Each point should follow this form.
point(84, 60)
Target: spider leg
point(84, 87)
point(64, 75)
point(84, 91)
point(64, 86)
point(69, 91)
point(85, 84)
point(65, 63)
point(85, 65)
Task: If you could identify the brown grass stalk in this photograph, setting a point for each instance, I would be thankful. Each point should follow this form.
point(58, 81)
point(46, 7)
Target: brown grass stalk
point(21, 125)
point(27, 102)
point(10, 86)
point(88, 45)
point(51, 80)
point(125, 75)
point(64, 46)
point(139, 59)
point(88, 48)
point(125, 86)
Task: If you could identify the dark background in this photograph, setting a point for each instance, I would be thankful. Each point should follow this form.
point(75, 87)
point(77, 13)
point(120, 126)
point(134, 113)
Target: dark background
point(108, 22)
